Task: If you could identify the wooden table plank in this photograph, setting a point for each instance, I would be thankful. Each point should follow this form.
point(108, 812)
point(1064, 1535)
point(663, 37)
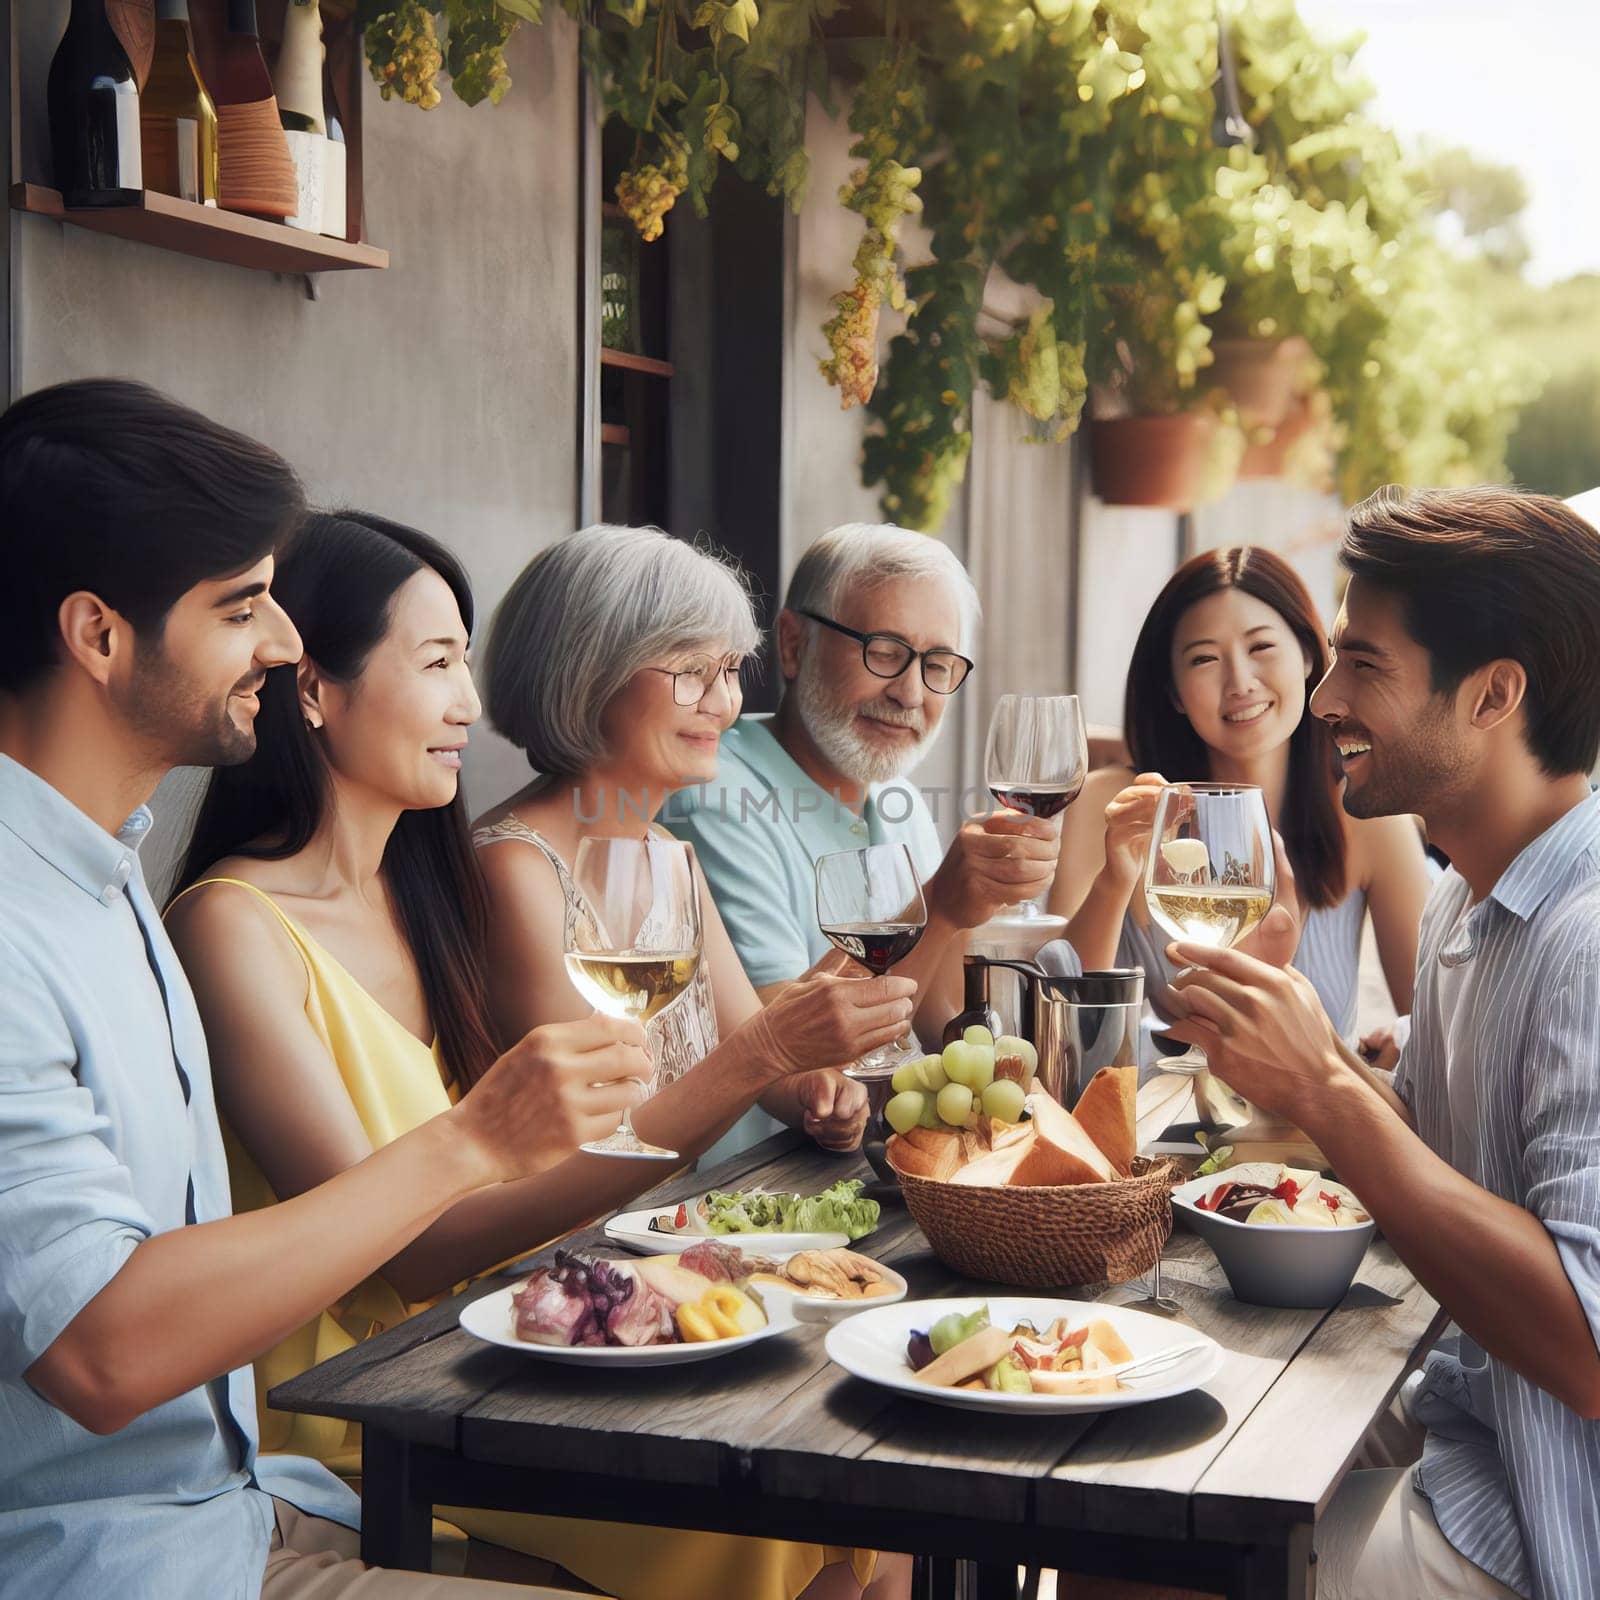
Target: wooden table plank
point(1284, 1462)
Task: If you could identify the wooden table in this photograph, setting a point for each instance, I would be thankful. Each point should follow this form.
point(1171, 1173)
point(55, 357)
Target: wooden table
point(1217, 1490)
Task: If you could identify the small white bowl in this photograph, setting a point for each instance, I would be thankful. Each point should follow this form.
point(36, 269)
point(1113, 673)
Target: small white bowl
point(828, 1308)
point(1271, 1264)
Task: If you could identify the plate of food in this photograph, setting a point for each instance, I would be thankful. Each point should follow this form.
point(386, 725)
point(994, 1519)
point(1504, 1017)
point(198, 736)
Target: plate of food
point(772, 1223)
point(1008, 1353)
point(661, 1311)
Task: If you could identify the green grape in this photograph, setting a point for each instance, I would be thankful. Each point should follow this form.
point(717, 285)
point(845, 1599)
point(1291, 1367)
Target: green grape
point(930, 1070)
point(978, 1034)
point(1003, 1100)
point(954, 1326)
point(1008, 1047)
point(904, 1111)
point(955, 1104)
point(980, 1067)
point(905, 1078)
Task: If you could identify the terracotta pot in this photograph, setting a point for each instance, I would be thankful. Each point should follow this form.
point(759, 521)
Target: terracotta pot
point(1259, 374)
point(1272, 458)
point(1152, 460)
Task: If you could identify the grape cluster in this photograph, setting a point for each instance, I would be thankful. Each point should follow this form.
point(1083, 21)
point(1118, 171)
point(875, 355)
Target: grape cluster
point(647, 193)
point(852, 335)
point(884, 194)
point(403, 54)
point(476, 55)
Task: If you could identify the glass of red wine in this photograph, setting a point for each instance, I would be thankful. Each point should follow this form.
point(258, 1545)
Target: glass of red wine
point(870, 906)
point(1036, 759)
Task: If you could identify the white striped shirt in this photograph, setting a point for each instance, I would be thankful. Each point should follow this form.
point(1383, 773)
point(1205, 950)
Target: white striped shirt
point(1502, 1073)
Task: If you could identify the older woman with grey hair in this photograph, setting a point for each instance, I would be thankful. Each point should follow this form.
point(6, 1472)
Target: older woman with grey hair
point(614, 663)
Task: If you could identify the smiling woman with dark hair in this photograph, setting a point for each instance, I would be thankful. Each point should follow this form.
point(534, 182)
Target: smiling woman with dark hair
point(1217, 691)
point(334, 927)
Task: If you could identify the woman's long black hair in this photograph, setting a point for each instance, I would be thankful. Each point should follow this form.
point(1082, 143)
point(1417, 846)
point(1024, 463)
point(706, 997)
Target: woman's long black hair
point(1161, 738)
point(338, 584)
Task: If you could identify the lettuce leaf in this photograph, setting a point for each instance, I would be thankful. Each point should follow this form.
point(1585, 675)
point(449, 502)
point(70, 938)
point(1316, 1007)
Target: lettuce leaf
point(839, 1209)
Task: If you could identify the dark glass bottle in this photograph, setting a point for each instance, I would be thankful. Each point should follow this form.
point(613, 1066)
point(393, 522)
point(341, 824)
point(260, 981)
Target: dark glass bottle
point(975, 1007)
point(94, 113)
point(177, 121)
point(242, 76)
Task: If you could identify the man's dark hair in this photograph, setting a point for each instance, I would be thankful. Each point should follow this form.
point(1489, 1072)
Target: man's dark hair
point(113, 488)
point(1493, 574)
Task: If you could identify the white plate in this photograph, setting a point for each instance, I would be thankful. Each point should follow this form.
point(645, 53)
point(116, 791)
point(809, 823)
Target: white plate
point(872, 1345)
point(632, 1230)
point(493, 1319)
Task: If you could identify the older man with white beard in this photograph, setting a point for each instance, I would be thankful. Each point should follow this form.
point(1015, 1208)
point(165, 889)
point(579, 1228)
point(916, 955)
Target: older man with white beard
point(871, 643)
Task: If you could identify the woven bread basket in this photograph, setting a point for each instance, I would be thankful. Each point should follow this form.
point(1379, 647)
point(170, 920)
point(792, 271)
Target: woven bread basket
point(1048, 1236)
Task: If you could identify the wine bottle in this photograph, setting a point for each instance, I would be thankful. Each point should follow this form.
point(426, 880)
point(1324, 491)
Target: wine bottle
point(257, 173)
point(335, 192)
point(94, 113)
point(242, 76)
point(975, 1007)
point(298, 82)
point(177, 121)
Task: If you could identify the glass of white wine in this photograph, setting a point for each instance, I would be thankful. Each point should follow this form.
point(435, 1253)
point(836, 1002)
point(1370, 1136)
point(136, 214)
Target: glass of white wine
point(1210, 878)
point(632, 942)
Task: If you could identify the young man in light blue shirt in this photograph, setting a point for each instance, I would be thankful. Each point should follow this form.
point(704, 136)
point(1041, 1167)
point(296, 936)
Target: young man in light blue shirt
point(1466, 688)
point(873, 640)
point(136, 557)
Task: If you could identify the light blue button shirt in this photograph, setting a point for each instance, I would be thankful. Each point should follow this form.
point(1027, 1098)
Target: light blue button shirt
point(757, 830)
point(1502, 1074)
point(109, 1135)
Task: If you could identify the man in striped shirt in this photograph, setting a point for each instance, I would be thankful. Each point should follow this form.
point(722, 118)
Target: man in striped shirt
point(1466, 688)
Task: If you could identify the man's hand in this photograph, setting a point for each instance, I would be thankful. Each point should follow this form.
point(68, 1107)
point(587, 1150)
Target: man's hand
point(559, 1086)
point(994, 863)
point(1277, 937)
point(1262, 1028)
point(835, 1108)
point(822, 1021)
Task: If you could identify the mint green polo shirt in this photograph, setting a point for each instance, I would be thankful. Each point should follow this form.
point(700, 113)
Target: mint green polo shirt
point(758, 828)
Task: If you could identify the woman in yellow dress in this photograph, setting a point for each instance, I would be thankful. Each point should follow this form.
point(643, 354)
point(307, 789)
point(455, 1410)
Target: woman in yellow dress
point(333, 923)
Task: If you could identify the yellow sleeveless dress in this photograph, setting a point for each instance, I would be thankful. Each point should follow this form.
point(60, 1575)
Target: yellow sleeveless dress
point(396, 1083)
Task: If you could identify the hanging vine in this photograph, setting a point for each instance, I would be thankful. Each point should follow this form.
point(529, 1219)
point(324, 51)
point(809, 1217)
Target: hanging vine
point(1065, 148)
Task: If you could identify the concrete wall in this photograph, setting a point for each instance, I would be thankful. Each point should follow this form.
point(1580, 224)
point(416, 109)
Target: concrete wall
point(442, 392)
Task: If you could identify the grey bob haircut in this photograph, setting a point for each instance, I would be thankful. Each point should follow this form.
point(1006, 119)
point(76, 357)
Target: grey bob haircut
point(584, 616)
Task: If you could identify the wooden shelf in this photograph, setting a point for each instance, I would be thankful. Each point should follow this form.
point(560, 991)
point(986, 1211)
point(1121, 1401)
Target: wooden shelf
point(215, 235)
point(633, 363)
point(615, 433)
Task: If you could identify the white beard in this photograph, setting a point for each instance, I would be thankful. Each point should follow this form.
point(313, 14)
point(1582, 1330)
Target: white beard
point(831, 726)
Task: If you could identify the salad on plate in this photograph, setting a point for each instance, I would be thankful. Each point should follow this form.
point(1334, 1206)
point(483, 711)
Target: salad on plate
point(840, 1208)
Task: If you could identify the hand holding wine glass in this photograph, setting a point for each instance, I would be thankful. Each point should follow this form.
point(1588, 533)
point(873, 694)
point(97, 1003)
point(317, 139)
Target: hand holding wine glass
point(632, 935)
point(1036, 759)
point(1211, 869)
point(1210, 877)
point(870, 906)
